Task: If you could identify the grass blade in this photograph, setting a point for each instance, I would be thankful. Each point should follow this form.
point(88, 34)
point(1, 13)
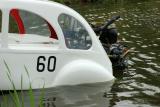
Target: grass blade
point(15, 94)
point(22, 95)
point(31, 94)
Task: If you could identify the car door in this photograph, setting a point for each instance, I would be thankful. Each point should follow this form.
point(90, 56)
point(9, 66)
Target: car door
point(32, 49)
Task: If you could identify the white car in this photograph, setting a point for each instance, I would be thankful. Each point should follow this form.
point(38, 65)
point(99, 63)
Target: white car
point(44, 43)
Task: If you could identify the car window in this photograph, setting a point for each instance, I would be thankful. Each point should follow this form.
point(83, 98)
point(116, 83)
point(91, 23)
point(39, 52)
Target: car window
point(76, 36)
point(31, 27)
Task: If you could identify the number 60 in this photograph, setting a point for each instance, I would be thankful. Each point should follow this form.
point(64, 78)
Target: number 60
point(41, 63)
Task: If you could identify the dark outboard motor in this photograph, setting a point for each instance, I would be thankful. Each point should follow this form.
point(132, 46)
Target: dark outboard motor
point(109, 39)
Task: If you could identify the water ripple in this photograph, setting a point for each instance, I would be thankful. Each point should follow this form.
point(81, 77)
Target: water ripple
point(144, 56)
point(148, 69)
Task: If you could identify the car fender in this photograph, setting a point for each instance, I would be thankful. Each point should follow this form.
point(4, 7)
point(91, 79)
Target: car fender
point(80, 72)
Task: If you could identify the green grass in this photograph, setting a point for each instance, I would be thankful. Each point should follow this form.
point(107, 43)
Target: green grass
point(16, 98)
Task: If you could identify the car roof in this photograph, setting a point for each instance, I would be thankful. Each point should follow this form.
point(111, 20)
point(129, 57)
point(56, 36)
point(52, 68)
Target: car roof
point(50, 11)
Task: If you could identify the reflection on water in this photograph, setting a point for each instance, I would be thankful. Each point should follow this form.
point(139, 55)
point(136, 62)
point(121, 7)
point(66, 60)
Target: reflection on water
point(140, 85)
point(91, 95)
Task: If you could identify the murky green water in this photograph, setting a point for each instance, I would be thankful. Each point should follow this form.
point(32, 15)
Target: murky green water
point(140, 85)
point(139, 29)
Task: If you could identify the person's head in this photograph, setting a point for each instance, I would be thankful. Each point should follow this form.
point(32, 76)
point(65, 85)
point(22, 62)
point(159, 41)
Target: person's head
point(109, 36)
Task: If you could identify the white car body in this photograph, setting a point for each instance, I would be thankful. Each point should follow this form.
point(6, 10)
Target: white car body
point(66, 66)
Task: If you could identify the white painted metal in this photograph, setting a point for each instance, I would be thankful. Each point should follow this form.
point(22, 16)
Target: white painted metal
point(72, 66)
point(5, 21)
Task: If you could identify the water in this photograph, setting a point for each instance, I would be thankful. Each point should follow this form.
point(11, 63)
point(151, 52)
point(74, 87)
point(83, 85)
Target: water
point(140, 85)
point(140, 30)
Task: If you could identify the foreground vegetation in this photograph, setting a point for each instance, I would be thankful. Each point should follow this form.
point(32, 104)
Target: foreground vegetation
point(15, 98)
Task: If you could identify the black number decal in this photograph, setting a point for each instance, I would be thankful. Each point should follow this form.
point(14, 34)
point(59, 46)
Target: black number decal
point(51, 65)
point(40, 64)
